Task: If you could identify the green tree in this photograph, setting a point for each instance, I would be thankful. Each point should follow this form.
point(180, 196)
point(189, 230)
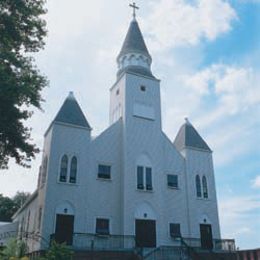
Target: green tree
point(20, 198)
point(8, 206)
point(15, 249)
point(22, 32)
point(58, 252)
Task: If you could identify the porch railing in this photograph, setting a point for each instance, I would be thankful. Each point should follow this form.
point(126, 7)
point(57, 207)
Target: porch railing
point(103, 242)
point(217, 244)
point(86, 241)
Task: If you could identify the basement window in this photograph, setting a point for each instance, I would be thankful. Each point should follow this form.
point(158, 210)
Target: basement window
point(102, 226)
point(175, 230)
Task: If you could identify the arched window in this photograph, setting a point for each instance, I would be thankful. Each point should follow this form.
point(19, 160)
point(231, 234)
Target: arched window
point(198, 186)
point(44, 169)
point(205, 187)
point(73, 170)
point(64, 168)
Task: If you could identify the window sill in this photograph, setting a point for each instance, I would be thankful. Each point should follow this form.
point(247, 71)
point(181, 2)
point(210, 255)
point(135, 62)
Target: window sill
point(104, 179)
point(177, 239)
point(173, 188)
point(145, 191)
point(68, 183)
point(103, 235)
point(203, 199)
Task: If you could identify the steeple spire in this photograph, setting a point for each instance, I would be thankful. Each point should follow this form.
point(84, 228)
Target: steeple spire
point(134, 56)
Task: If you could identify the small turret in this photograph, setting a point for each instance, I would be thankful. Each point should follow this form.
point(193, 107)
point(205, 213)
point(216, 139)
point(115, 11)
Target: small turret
point(71, 113)
point(188, 137)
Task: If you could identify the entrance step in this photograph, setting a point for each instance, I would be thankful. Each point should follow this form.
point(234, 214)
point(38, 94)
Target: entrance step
point(168, 253)
point(105, 255)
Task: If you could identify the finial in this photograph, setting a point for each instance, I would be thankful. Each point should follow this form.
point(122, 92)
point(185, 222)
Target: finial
point(135, 7)
point(187, 120)
point(71, 95)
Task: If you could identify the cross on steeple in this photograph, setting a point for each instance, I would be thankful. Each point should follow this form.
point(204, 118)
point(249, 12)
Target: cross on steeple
point(135, 7)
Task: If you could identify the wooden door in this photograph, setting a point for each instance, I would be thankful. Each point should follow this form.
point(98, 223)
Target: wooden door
point(64, 229)
point(206, 236)
point(145, 233)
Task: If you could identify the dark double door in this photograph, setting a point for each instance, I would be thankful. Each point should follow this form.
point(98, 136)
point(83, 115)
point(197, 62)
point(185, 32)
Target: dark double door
point(206, 236)
point(145, 233)
point(64, 229)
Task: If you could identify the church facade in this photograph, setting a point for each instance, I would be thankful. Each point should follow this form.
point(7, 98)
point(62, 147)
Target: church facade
point(131, 181)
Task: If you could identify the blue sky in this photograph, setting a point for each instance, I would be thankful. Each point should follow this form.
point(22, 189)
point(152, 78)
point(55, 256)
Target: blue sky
point(206, 52)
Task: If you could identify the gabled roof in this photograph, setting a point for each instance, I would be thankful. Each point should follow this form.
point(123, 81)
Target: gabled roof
point(71, 113)
point(134, 41)
point(188, 137)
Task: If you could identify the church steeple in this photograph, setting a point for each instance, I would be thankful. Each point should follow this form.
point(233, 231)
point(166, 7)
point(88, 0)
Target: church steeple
point(134, 56)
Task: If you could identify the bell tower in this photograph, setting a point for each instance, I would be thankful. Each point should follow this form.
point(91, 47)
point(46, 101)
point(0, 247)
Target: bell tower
point(136, 93)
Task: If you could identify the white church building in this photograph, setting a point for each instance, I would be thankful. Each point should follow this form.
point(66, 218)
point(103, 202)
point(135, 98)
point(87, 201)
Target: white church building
point(131, 186)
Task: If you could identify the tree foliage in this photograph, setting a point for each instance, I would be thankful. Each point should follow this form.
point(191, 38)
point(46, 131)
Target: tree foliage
point(22, 32)
point(8, 206)
point(58, 252)
point(15, 250)
point(20, 197)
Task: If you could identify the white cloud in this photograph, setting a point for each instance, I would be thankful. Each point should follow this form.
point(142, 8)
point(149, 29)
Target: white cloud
point(223, 102)
point(175, 22)
point(256, 182)
point(238, 85)
point(236, 214)
point(250, 1)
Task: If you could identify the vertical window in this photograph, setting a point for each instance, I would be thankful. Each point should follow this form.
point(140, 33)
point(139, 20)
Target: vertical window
point(204, 186)
point(22, 228)
point(44, 170)
point(73, 170)
point(172, 181)
point(28, 221)
point(198, 186)
point(148, 178)
point(39, 218)
point(140, 177)
point(104, 171)
point(102, 226)
point(64, 168)
point(39, 176)
point(144, 178)
point(175, 230)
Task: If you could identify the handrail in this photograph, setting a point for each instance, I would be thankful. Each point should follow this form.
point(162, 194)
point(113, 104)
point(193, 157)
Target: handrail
point(189, 248)
point(106, 242)
point(218, 244)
